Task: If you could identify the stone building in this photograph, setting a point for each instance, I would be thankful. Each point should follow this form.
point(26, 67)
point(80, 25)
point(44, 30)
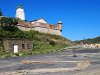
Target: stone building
point(41, 27)
point(17, 45)
point(91, 45)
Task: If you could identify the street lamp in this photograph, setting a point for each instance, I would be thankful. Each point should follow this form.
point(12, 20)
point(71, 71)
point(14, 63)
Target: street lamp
point(74, 55)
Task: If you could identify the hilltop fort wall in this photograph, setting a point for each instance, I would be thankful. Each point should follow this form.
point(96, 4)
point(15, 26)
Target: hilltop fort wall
point(41, 27)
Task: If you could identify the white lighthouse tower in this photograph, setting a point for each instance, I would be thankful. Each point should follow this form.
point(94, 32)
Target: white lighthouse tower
point(20, 13)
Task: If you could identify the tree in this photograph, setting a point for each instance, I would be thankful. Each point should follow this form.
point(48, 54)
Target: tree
point(8, 23)
point(0, 12)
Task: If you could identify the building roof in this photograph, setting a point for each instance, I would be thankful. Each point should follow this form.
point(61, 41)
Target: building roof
point(41, 20)
point(20, 6)
point(60, 22)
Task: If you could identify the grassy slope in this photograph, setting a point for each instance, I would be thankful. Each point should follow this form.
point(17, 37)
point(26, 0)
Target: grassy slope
point(43, 43)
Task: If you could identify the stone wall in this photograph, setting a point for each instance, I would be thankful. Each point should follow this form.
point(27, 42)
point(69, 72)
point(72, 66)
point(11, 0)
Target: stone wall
point(9, 44)
point(55, 31)
point(41, 27)
point(43, 30)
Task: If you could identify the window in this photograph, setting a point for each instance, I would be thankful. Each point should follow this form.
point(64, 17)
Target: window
point(23, 46)
point(28, 46)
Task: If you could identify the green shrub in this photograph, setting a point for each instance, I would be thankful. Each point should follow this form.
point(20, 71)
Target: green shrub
point(17, 54)
point(52, 43)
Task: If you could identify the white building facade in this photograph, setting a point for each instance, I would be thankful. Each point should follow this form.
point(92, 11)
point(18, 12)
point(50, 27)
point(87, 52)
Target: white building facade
point(20, 13)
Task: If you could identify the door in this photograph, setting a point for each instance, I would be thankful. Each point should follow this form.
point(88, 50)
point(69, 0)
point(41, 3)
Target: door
point(15, 48)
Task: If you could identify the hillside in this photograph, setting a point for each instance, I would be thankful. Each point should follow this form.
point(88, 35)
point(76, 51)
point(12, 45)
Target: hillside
point(43, 43)
point(89, 41)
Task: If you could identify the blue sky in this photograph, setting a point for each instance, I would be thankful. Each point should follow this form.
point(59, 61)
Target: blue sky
point(81, 18)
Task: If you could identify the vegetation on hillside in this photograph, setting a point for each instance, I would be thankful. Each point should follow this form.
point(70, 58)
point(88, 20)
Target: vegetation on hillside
point(8, 24)
point(89, 41)
point(42, 42)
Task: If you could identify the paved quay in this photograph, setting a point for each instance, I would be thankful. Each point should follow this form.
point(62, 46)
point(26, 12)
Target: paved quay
point(62, 63)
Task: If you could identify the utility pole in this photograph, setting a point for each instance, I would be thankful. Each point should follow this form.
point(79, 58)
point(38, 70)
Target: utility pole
point(0, 12)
